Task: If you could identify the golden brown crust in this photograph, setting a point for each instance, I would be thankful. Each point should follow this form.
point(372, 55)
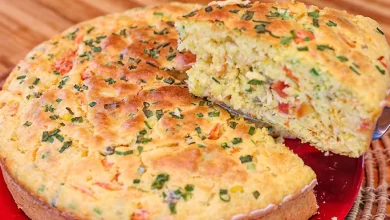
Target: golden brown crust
point(33, 207)
point(92, 123)
point(301, 207)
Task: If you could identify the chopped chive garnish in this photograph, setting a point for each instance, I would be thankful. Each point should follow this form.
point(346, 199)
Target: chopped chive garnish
point(331, 24)
point(77, 87)
point(314, 72)
point(92, 104)
point(201, 146)
point(260, 29)
point(314, 14)
point(21, 77)
point(198, 130)
point(342, 58)
point(214, 114)
point(255, 82)
point(256, 194)
point(189, 187)
point(172, 207)
point(191, 14)
point(27, 124)
point(244, 5)
point(143, 140)
point(110, 81)
point(65, 146)
point(169, 80)
point(201, 103)
point(354, 69)
point(380, 31)
point(77, 119)
point(54, 117)
point(324, 47)
point(233, 124)
point(158, 13)
point(69, 110)
point(147, 125)
point(200, 115)
point(59, 137)
point(246, 159)
point(136, 181)
point(208, 9)
point(159, 114)
point(143, 132)
point(55, 72)
point(124, 153)
point(247, 16)
point(236, 140)
point(315, 22)
point(97, 49)
point(140, 149)
point(90, 30)
point(63, 81)
point(160, 180)
point(58, 100)
point(286, 40)
point(215, 80)
point(223, 195)
point(225, 145)
point(234, 11)
point(148, 113)
point(382, 71)
point(36, 81)
point(98, 211)
point(171, 56)
point(49, 108)
point(251, 131)
point(303, 48)
point(251, 166)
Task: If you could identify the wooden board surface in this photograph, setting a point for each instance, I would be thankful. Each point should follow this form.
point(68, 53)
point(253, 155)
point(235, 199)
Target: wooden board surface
point(26, 23)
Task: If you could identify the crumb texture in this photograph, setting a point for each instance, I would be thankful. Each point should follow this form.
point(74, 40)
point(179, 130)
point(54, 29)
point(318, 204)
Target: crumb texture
point(319, 74)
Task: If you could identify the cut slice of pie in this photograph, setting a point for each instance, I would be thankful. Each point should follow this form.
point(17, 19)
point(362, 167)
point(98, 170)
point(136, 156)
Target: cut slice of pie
point(320, 74)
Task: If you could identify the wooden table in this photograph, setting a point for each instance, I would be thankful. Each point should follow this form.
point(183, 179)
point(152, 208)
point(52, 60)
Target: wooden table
point(26, 23)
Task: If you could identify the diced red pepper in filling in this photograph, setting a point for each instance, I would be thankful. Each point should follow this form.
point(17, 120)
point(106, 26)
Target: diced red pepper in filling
point(290, 74)
point(383, 61)
point(278, 86)
point(65, 64)
point(214, 133)
point(86, 75)
point(284, 108)
point(347, 41)
point(108, 186)
point(140, 214)
point(364, 126)
point(303, 35)
point(78, 39)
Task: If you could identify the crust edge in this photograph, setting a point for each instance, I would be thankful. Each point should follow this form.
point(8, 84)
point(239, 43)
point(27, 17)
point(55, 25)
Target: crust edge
point(300, 207)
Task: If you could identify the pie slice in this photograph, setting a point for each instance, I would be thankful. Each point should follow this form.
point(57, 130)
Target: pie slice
point(321, 75)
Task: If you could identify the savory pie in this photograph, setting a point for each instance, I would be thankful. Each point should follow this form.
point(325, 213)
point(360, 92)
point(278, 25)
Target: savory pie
point(94, 126)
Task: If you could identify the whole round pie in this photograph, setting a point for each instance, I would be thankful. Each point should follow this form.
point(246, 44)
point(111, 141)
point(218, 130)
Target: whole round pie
point(97, 124)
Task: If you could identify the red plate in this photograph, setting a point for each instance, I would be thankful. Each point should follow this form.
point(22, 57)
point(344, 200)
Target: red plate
point(339, 179)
